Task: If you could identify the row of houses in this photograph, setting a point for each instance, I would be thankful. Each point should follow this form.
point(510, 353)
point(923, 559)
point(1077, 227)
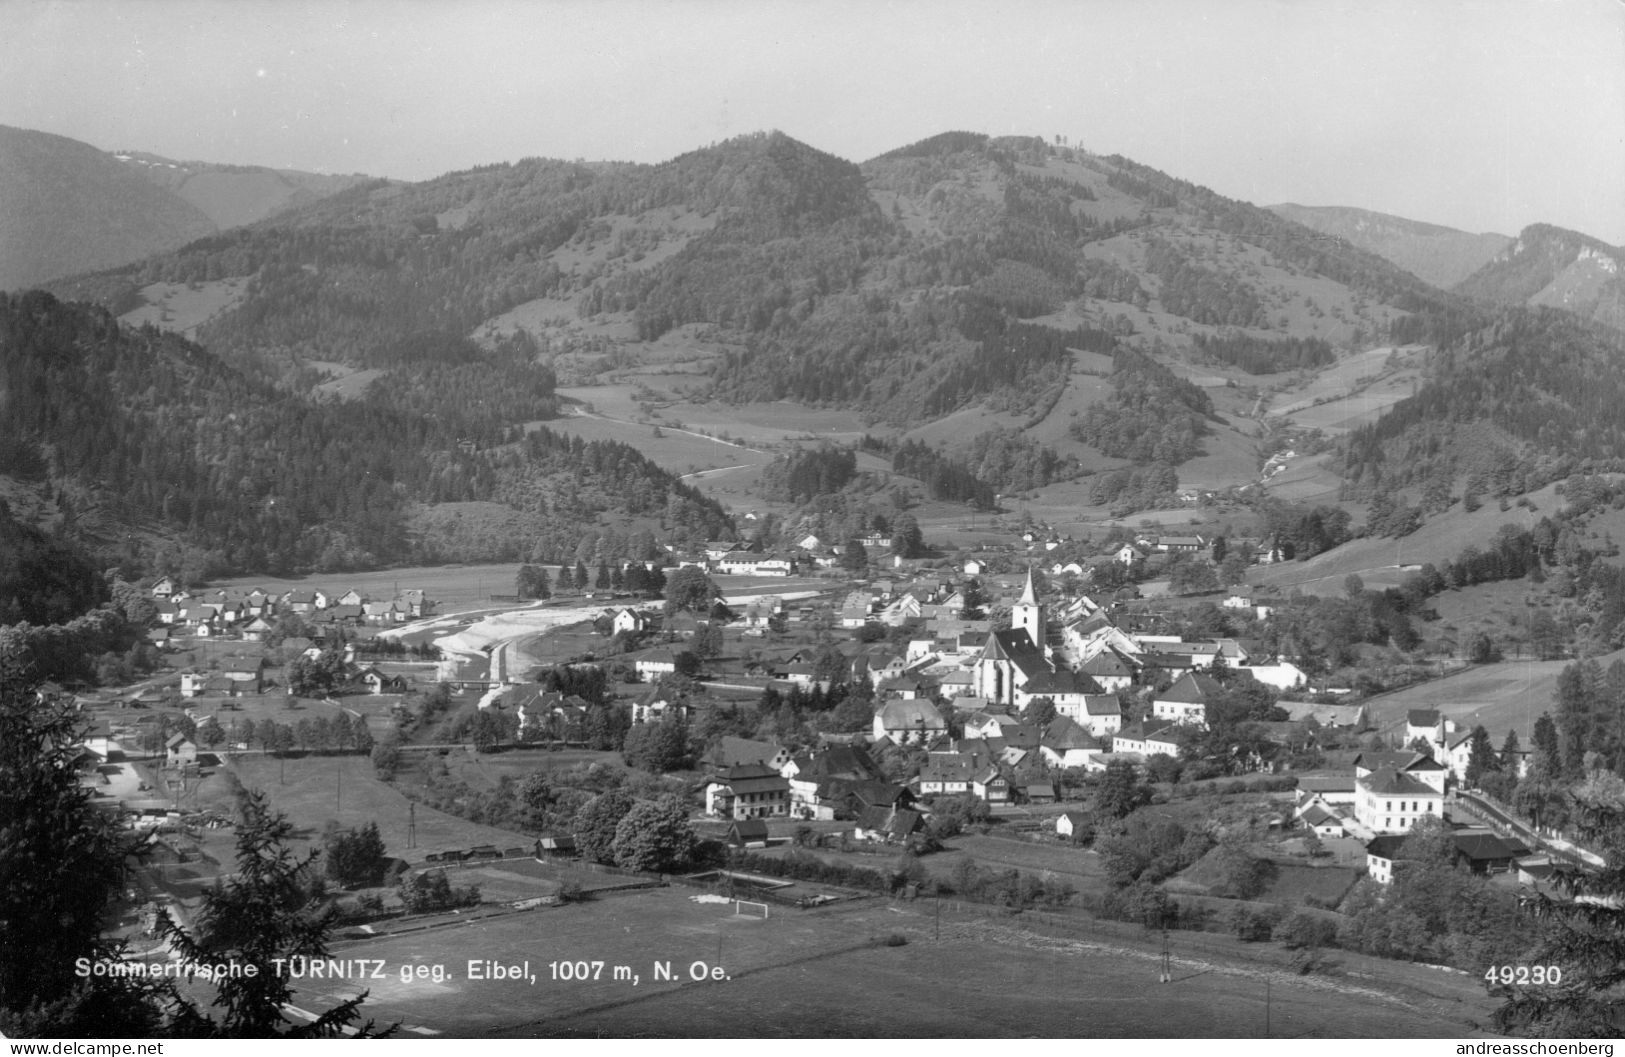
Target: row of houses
point(248, 614)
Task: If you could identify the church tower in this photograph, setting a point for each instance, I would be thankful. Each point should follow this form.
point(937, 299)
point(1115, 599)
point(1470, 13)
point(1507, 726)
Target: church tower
point(1028, 615)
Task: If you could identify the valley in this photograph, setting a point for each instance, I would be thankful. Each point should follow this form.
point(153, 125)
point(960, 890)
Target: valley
point(990, 522)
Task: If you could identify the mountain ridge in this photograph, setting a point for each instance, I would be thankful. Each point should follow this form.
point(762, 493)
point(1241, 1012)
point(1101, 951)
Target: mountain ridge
point(1557, 268)
point(1443, 256)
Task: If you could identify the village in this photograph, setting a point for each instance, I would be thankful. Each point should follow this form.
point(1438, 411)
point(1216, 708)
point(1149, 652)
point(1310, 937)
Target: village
point(982, 685)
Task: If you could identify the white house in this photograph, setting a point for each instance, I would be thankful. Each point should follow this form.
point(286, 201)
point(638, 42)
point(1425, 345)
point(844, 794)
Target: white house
point(652, 665)
point(1392, 801)
point(1186, 700)
point(1147, 743)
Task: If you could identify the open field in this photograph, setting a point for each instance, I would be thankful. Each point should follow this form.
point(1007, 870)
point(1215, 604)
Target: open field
point(1380, 561)
point(344, 382)
point(810, 974)
point(1509, 694)
point(183, 307)
point(314, 789)
point(675, 450)
point(452, 586)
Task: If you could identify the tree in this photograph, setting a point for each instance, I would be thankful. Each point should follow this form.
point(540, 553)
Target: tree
point(855, 558)
point(262, 916)
point(1120, 791)
point(596, 822)
point(1510, 751)
point(386, 758)
point(906, 539)
point(659, 747)
point(532, 582)
point(655, 836)
point(316, 676)
point(689, 588)
point(1481, 759)
point(582, 577)
point(708, 640)
point(1546, 750)
point(354, 857)
point(210, 732)
point(1584, 932)
point(64, 865)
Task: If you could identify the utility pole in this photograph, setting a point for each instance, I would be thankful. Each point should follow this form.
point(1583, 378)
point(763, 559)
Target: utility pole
point(411, 824)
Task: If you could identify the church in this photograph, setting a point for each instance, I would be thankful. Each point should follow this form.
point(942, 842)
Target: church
point(1016, 665)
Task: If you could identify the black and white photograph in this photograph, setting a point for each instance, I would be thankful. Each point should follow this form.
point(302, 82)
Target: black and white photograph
point(812, 519)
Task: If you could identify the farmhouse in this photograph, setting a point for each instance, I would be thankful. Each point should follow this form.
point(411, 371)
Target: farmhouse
point(909, 721)
point(180, 751)
point(747, 791)
point(1146, 742)
point(1348, 717)
point(652, 665)
point(1071, 823)
point(1186, 700)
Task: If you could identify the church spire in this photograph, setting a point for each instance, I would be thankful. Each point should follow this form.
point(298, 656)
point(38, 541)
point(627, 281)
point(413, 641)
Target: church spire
point(1029, 593)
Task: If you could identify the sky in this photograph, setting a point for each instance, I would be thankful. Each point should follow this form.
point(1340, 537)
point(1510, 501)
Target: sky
point(1484, 115)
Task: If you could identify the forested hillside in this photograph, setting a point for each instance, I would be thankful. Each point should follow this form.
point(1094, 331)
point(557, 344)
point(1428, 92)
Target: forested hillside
point(1556, 268)
point(961, 274)
point(1443, 256)
point(1514, 405)
point(67, 207)
point(165, 437)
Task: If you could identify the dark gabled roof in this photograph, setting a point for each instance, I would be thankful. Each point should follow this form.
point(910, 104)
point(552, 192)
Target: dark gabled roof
point(1337, 783)
point(1319, 816)
point(730, 750)
point(1106, 662)
point(1385, 847)
point(748, 829)
point(768, 783)
point(1376, 761)
point(1486, 847)
point(1192, 688)
point(1389, 782)
point(839, 761)
point(741, 771)
point(1062, 734)
point(1422, 717)
point(1061, 682)
point(1102, 705)
point(874, 793)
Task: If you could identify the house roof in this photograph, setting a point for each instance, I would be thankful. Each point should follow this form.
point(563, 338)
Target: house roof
point(1102, 705)
point(1385, 847)
point(749, 829)
point(1319, 816)
point(731, 750)
point(1106, 662)
point(1192, 688)
point(1328, 784)
point(1061, 682)
point(1486, 847)
point(1389, 782)
point(1325, 715)
point(1422, 717)
point(754, 782)
point(905, 714)
point(1062, 734)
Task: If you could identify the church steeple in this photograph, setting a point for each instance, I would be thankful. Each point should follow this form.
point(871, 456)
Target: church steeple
point(1028, 614)
point(1029, 593)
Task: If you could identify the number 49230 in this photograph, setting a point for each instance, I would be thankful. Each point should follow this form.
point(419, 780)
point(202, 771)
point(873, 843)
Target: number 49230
point(1533, 975)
